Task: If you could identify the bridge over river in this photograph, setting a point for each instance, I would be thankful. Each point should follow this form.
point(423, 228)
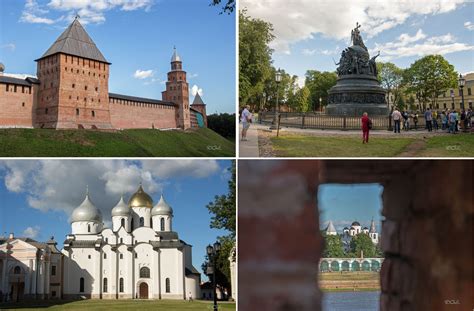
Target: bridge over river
point(350, 264)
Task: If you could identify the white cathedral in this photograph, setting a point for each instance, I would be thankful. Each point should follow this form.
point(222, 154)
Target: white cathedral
point(139, 257)
point(349, 233)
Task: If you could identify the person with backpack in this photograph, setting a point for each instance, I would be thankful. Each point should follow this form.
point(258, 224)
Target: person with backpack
point(366, 127)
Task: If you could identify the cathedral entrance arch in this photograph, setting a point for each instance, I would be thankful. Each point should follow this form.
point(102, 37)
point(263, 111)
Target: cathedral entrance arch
point(16, 283)
point(143, 290)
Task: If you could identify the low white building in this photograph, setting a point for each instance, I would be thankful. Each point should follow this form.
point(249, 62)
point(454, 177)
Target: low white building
point(349, 233)
point(139, 257)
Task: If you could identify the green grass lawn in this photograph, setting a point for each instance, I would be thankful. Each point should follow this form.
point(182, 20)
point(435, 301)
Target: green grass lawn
point(127, 143)
point(349, 276)
point(459, 145)
point(97, 304)
point(313, 146)
point(316, 146)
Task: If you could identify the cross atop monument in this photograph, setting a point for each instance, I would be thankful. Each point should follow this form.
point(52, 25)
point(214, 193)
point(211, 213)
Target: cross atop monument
point(77, 16)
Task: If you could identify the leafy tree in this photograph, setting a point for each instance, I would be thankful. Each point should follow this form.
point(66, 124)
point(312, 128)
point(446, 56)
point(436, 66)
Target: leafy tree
point(286, 88)
point(223, 124)
point(319, 84)
point(302, 99)
point(391, 78)
point(429, 77)
point(224, 217)
point(254, 58)
point(229, 6)
point(362, 242)
point(333, 246)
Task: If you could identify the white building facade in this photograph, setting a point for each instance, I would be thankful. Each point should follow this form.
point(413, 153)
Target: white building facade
point(349, 233)
point(139, 257)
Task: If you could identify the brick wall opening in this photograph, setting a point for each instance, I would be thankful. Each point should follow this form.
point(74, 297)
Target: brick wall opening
point(426, 235)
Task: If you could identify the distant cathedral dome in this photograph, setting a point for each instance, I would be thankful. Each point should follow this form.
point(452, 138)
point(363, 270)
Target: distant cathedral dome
point(87, 211)
point(121, 209)
point(355, 223)
point(140, 199)
point(2, 67)
point(162, 208)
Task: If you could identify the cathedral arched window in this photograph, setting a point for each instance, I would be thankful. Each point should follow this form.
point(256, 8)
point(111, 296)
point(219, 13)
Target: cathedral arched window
point(17, 270)
point(121, 285)
point(162, 224)
point(144, 272)
point(122, 222)
point(168, 285)
point(105, 285)
point(81, 285)
point(142, 221)
point(88, 228)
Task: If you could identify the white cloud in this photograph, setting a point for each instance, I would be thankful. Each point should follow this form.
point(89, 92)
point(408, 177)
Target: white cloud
point(9, 46)
point(90, 11)
point(302, 19)
point(31, 232)
point(195, 89)
point(60, 185)
point(192, 75)
point(308, 52)
point(469, 25)
point(419, 45)
point(143, 74)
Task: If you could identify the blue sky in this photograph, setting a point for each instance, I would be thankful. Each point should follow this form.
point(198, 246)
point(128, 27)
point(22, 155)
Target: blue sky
point(37, 197)
point(137, 37)
point(310, 34)
point(343, 204)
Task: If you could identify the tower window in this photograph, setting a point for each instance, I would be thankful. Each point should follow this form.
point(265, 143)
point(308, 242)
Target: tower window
point(73, 86)
point(88, 228)
point(144, 272)
point(168, 285)
point(121, 285)
point(121, 240)
point(136, 255)
point(121, 256)
point(46, 111)
point(85, 87)
point(162, 224)
point(105, 256)
point(81, 285)
point(93, 113)
point(70, 97)
point(105, 285)
point(96, 89)
point(23, 104)
point(122, 222)
point(77, 111)
point(89, 256)
point(17, 270)
point(53, 270)
point(142, 221)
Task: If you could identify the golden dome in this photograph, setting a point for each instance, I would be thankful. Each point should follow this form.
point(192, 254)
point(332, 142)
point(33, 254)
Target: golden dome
point(140, 199)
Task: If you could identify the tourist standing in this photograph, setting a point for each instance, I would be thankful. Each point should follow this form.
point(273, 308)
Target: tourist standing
point(452, 121)
point(429, 119)
point(366, 127)
point(246, 119)
point(406, 120)
point(457, 120)
point(415, 120)
point(435, 120)
point(463, 120)
point(396, 116)
point(468, 118)
point(444, 120)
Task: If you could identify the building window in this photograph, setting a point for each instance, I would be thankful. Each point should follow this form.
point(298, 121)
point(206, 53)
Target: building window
point(121, 256)
point(136, 255)
point(77, 71)
point(15, 88)
point(88, 228)
point(53, 293)
point(105, 255)
point(469, 91)
point(105, 285)
point(144, 272)
point(51, 84)
point(81, 285)
point(88, 256)
point(46, 111)
point(17, 270)
point(77, 111)
point(97, 89)
point(93, 113)
point(121, 285)
point(23, 104)
point(85, 87)
point(122, 222)
point(167, 285)
point(162, 224)
point(7, 87)
point(142, 221)
point(53, 270)
point(121, 240)
point(73, 86)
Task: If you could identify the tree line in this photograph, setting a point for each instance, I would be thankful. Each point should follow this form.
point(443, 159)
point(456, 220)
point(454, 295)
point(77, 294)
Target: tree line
point(424, 80)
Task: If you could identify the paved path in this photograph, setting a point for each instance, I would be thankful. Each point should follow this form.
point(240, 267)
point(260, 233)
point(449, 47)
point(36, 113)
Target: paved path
point(249, 148)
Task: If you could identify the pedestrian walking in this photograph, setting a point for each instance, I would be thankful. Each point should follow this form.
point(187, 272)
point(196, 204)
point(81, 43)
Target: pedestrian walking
point(396, 116)
point(366, 127)
point(246, 119)
point(415, 120)
point(429, 119)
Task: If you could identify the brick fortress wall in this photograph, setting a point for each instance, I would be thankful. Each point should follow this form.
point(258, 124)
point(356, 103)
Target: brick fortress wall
point(426, 236)
point(17, 105)
point(130, 114)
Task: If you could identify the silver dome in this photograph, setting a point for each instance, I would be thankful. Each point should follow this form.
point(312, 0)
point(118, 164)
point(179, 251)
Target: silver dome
point(175, 57)
point(121, 209)
point(162, 208)
point(86, 212)
point(2, 67)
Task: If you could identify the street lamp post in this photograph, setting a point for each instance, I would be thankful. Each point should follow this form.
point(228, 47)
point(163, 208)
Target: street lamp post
point(212, 252)
point(320, 104)
point(461, 83)
point(277, 80)
point(452, 98)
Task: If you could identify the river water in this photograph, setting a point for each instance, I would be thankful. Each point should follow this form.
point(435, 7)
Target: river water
point(353, 301)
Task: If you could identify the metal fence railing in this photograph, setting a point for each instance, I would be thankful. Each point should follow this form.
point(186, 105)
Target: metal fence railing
point(323, 121)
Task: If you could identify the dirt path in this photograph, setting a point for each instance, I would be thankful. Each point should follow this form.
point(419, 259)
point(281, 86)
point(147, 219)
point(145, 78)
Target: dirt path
point(413, 149)
point(265, 144)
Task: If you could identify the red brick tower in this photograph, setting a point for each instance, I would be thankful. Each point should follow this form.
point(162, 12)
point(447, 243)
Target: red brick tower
point(177, 91)
point(74, 77)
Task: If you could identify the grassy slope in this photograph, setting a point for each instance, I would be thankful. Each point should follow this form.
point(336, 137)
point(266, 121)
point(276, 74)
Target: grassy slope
point(312, 146)
point(165, 305)
point(128, 143)
point(449, 146)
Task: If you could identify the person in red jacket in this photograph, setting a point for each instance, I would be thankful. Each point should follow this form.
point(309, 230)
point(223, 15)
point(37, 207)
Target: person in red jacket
point(366, 126)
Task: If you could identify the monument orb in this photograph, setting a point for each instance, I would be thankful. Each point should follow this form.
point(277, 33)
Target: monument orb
point(357, 89)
